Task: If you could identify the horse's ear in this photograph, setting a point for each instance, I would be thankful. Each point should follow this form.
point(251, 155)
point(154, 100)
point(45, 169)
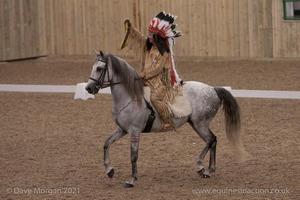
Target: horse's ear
point(101, 53)
point(97, 52)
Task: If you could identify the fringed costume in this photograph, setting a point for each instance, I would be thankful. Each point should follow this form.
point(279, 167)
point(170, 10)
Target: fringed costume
point(158, 67)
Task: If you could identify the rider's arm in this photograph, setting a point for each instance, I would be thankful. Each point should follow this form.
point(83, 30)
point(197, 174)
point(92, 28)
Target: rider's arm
point(155, 68)
point(133, 37)
point(135, 40)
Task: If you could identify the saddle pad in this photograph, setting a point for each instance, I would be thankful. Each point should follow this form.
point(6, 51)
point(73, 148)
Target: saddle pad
point(180, 107)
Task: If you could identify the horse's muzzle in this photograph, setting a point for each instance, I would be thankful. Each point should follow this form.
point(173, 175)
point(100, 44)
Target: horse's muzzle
point(91, 90)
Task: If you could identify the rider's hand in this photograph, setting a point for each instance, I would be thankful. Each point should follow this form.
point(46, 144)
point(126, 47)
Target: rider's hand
point(127, 25)
point(142, 74)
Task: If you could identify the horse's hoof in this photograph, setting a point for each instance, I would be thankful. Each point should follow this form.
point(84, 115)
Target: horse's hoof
point(111, 173)
point(206, 175)
point(128, 185)
point(200, 171)
point(212, 169)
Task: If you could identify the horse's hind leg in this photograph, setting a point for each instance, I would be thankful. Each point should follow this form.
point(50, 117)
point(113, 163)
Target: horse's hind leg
point(117, 134)
point(211, 143)
point(212, 157)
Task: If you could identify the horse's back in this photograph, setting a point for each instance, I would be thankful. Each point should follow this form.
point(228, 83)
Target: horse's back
point(203, 98)
point(194, 89)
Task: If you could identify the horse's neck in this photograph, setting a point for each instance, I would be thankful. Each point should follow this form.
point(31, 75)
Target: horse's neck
point(120, 97)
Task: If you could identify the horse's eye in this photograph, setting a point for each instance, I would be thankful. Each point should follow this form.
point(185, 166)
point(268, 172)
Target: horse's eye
point(98, 69)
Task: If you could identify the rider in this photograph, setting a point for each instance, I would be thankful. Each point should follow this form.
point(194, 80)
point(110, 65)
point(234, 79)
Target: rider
point(158, 67)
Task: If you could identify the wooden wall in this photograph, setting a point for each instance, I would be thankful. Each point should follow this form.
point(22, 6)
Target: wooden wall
point(286, 34)
point(211, 28)
point(22, 29)
point(215, 28)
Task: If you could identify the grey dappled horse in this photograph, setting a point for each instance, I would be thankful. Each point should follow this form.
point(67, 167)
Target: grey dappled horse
point(130, 111)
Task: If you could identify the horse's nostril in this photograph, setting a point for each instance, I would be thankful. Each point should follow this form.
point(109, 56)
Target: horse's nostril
point(88, 89)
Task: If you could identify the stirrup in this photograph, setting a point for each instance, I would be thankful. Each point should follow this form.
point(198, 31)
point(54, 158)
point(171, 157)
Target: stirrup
point(166, 127)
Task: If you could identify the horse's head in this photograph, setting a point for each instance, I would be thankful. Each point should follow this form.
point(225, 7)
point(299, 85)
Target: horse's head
point(99, 77)
point(109, 71)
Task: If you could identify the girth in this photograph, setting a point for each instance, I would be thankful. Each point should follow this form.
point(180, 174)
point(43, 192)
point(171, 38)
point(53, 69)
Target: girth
point(151, 118)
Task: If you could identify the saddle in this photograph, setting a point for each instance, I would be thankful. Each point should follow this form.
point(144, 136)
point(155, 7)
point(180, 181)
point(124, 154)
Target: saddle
point(180, 107)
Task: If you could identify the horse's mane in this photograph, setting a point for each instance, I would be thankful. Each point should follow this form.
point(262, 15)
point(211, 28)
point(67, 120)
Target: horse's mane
point(133, 84)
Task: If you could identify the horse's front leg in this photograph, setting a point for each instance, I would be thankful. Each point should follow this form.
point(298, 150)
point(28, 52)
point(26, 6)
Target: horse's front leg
point(134, 151)
point(117, 134)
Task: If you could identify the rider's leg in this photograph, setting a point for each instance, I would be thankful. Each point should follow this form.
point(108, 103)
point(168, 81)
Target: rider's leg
point(161, 107)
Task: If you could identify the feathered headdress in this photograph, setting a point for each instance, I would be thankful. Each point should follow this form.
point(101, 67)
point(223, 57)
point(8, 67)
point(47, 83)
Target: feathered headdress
point(163, 25)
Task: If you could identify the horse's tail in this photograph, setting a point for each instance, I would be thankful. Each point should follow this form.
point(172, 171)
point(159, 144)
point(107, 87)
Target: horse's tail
point(232, 121)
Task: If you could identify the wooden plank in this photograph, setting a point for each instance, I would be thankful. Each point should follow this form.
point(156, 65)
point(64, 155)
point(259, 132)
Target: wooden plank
point(180, 21)
point(123, 14)
point(2, 31)
point(249, 33)
point(33, 29)
point(236, 28)
point(226, 25)
point(58, 27)
point(282, 37)
point(293, 39)
point(78, 33)
point(218, 30)
point(212, 28)
point(231, 28)
point(89, 16)
point(25, 35)
point(259, 44)
point(84, 33)
point(117, 24)
point(68, 25)
point(222, 33)
point(10, 48)
point(275, 28)
point(63, 36)
point(280, 32)
point(204, 28)
point(42, 28)
point(200, 30)
point(268, 35)
point(106, 22)
point(6, 31)
point(184, 14)
point(50, 26)
point(199, 49)
point(296, 41)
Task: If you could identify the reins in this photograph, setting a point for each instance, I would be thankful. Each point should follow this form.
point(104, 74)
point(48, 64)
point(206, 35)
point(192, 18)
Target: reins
point(100, 84)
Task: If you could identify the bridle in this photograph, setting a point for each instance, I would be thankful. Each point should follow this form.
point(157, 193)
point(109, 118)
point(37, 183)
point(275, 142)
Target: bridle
point(100, 83)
